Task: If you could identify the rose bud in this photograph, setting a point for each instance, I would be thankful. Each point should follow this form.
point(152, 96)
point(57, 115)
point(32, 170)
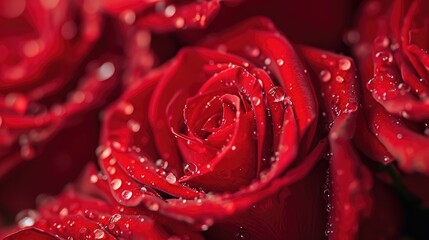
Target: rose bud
point(235, 137)
point(52, 86)
point(393, 61)
point(88, 211)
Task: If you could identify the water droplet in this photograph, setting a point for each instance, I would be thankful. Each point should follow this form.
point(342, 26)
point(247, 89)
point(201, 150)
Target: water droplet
point(114, 218)
point(105, 71)
point(153, 206)
point(93, 178)
point(64, 212)
point(233, 148)
point(267, 61)
point(133, 125)
point(128, 16)
point(98, 234)
point(171, 178)
point(339, 79)
point(399, 136)
point(27, 152)
point(394, 46)
point(190, 169)
point(16, 101)
point(128, 108)
point(335, 99)
point(344, 64)
point(351, 107)
point(180, 22)
point(111, 170)
point(32, 48)
point(126, 194)
point(26, 218)
point(256, 101)
point(280, 62)
point(384, 58)
point(116, 183)
point(325, 75)
point(84, 233)
point(351, 37)
point(252, 51)
point(382, 41)
point(277, 93)
point(170, 10)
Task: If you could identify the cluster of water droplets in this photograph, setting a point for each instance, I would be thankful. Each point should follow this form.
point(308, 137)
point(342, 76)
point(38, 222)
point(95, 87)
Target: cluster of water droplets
point(328, 196)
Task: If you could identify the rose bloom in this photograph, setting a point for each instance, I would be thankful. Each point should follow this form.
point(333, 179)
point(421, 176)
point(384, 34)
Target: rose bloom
point(51, 83)
point(164, 16)
point(244, 136)
point(393, 57)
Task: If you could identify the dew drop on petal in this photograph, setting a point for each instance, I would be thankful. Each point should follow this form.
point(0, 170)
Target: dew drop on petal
point(31, 48)
point(339, 79)
point(277, 93)
point(105, 71)
point(267, 61)
point(256, 101)
point(180, 22)
point(27, 152)
point(153, 206)
point(190, 169)
point(93, 178)
point(382, 41)
point(344, 64)
point(116, 183)
point(384, 57)
point(169, 11)
point(126, 194)
point(133, 125)
point(128, 16)
point(325, 75)
point(280, 62)
point(26, 218)
point(128, 108)
point(252, 51)
point(335, 99)
point(171, 178)
point(99, 234)
point(351, 107)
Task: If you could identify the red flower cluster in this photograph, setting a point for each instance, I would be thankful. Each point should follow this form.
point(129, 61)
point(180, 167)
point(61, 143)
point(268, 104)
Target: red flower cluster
point(200, 120)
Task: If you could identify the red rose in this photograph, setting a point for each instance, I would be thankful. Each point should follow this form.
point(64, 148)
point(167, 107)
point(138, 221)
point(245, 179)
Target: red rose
point(311, 22)
point(164, 16)
point(393, 58)
point(51, 81)
point(88, 211)
point(226, 132)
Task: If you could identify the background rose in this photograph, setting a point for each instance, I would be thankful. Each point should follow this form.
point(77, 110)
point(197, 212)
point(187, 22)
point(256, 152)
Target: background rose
point(52, 81)
point(87, 210)
point(164, 16)
point(221, 136)
point(392, 52)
